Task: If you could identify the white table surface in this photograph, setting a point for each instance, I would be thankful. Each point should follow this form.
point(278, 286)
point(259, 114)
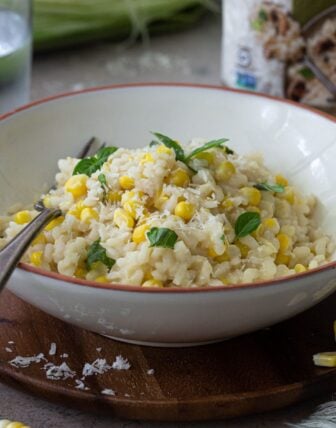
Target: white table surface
point(190, 56)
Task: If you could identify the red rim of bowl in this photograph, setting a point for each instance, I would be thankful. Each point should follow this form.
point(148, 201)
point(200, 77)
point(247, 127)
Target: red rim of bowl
point(121, 287)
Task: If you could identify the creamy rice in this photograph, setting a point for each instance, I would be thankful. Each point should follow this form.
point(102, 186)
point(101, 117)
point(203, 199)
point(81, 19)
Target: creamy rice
point(134, 191)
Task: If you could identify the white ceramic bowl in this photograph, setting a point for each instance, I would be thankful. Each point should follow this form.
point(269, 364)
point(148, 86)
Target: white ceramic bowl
point(298, 141)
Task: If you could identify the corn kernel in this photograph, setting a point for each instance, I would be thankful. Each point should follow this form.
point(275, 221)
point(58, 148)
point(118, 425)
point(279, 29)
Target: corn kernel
point(228, 204)
point(299, 268)
point(54, 223)
point(77, 209)
point(22, 217)
point(280, 179)
point(88, 214)
point(47, 201)
point(16, 425)
point(224, 280)
point(103, 279)
point(270, 223)
point(113, 196)
point(160, 200)
point(184, 210)
point(208, 156)
point(147, 158)
point(282, 259)
point(289, 195)
point(148, 275)
point(162, 149)
point(139, 233)
point(252, 194)
point(325, 359)
point(80, 272)
point(76, 185)
point(40, 239)
point(123, 219)
point(225, 257)
point(225, 171)
point(126, 183)
point(285, 242)
point(244, 249)
point(153, 283)
point(212, 253)
point(36, 258)
point(179, 178)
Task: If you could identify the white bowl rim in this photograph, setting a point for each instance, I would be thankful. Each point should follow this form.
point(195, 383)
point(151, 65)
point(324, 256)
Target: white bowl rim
point(131, 288)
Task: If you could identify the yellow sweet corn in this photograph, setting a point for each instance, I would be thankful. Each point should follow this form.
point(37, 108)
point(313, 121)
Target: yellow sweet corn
point(225, 171)
point(5, 423)
point(252, 194)
point(77, 209)
point(288, 194)
point(179, 178)
point(282, 259)
point(224, 280)
point(47, 201)
point(162, 149)
point(40, 239)
point(299, 268)
point(153, 283)
point(160, 200)
point(126, 182)
point(280, 179)
point(208, 156)
point(36, 258)
point(147, 158)
point(76, 185)
point(244, 249)
point(225, 257)
point(228, 204)
point(285, 242)
point(88, 214)
point(184, 210)
point(103, 279)
point(54, 223)
point(325, 359)
point(123, 219)
point(22, 217)
point(270, 223)
point(113, 196)
point(139, 233)
point(80, 272)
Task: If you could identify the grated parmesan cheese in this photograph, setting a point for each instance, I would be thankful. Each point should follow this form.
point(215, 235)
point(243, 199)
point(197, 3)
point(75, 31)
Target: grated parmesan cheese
point(80, 385)
point(22, 362)
point(8, 349)
point(107, 391)
point(52, 350)
point(99, 366)
point(98, 349)
point(150, 371)
point(60, 372)
point(121, 363)
point(64, 355)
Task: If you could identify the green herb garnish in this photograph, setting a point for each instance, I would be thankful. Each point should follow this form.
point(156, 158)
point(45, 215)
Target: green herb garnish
point(205, 147)
point(276, 188)
point(228, 151)
point(168, 142)
point(162, 237)
point(179, 152)
point(102, 180)
point(97, 253)
point(91, 164)
point(306, 73)
point(247, 223)
point(257, 24)
point(262, 15)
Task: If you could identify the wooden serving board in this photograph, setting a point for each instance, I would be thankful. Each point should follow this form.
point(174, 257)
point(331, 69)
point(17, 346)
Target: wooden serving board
point(254, 373)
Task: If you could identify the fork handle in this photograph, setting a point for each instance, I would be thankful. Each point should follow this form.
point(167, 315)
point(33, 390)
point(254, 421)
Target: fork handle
point(11, 254)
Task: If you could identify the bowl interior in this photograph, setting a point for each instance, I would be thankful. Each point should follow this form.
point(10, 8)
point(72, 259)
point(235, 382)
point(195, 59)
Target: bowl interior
point(295, 141)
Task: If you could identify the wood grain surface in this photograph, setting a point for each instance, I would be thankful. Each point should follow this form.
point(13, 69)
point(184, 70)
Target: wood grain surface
point(254, 373)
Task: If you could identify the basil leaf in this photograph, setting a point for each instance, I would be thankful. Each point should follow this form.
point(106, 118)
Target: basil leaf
point(168, 142)
point(276, 188)
point(306, 73)
point(247, 223)
point(162, 237)
point(102, 179)
point(207, 146)
point(262, 15)
point(97, 253)
point(153, 143)
point(91, 164)
point(228, 151)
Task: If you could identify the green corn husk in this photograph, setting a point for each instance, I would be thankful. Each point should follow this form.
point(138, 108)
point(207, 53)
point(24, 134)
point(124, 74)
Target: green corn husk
point(64, 23)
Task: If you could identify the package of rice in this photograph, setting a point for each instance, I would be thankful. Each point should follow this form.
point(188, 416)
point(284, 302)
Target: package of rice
point(282, 48)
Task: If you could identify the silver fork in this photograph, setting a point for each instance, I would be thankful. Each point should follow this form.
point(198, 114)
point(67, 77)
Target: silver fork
point(11, 254)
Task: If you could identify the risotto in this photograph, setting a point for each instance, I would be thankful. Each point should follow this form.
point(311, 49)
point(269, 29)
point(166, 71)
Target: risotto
point(173, 216)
